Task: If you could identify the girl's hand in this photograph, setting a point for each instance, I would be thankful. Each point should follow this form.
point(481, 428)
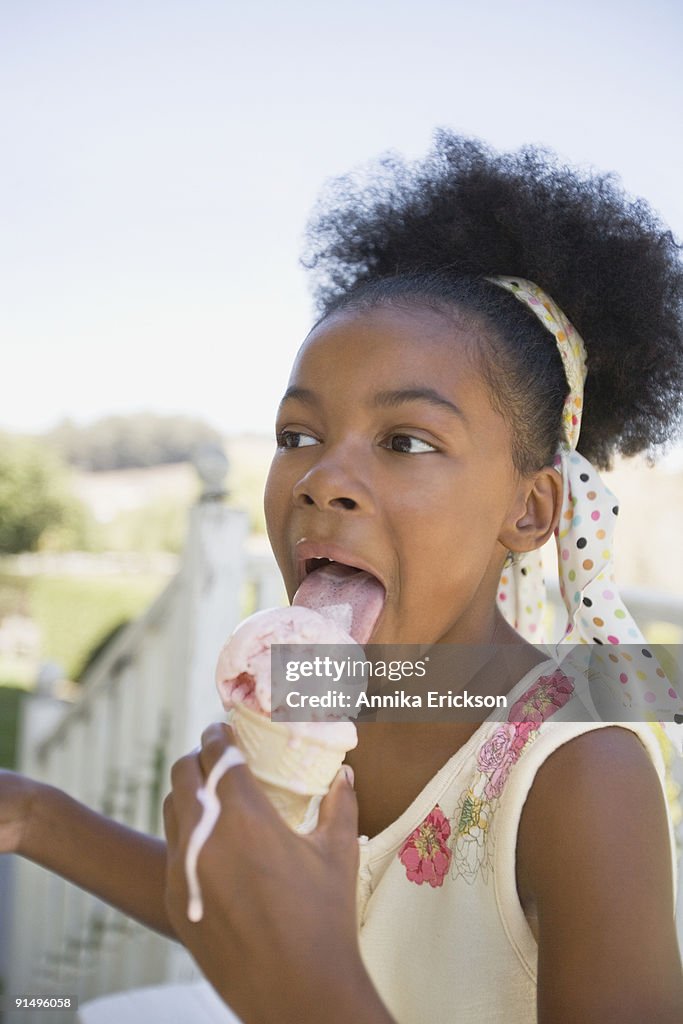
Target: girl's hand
point(278, 939)
point(16, 797)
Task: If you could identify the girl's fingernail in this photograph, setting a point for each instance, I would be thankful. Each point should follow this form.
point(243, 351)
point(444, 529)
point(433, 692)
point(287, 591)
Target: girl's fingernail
point(348, 774)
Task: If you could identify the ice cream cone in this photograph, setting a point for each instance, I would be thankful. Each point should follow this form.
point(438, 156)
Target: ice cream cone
point(292, 807)
point(291, 767)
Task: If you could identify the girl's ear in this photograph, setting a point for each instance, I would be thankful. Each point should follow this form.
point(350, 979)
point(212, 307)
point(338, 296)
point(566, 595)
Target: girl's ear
point(535, 512)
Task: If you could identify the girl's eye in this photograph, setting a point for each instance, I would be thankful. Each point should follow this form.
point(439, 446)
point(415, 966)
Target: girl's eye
point(294, 439)
point(409, 445)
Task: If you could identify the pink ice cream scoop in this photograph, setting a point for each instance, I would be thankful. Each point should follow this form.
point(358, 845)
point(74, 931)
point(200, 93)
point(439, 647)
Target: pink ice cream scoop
point(243, 673)
point(335, 605)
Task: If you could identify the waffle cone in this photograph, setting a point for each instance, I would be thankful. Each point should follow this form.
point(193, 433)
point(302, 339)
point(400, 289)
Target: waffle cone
point(292, 807)
point(291, 768)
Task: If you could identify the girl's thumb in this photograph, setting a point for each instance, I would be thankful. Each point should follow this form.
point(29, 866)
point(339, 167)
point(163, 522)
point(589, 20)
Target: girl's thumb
point(339, 809)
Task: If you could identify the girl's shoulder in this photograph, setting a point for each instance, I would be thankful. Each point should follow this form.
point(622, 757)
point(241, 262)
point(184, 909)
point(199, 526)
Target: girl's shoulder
point(596, 865)
point(590, 785)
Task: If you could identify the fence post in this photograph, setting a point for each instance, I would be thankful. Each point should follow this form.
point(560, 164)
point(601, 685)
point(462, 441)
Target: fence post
point(214, 568)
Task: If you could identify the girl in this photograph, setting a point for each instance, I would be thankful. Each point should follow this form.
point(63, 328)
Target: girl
point(435, 431)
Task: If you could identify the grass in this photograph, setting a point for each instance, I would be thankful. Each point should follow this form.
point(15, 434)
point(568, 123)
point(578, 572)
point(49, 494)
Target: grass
point(74, 614)
point(10, 700)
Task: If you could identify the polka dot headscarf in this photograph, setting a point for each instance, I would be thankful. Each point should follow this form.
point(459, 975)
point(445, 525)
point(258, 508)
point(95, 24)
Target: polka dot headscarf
point(584, 538)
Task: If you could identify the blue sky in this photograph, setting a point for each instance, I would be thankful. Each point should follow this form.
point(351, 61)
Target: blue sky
point(160, 159)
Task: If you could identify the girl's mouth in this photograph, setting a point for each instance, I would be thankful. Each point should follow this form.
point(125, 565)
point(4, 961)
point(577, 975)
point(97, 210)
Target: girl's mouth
point(354, 592)
point(333, 567)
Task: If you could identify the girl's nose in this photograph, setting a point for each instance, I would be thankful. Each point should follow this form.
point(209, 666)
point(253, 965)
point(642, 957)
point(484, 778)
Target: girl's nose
point(332, 484)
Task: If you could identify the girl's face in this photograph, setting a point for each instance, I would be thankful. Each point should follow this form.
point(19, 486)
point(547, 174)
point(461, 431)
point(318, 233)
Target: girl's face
point(391, 458)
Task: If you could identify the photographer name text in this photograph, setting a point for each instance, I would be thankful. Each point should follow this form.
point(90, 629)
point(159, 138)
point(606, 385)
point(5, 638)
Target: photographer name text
point(343, 701)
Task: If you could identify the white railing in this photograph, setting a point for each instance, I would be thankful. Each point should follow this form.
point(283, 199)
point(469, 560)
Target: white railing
point(144, 702)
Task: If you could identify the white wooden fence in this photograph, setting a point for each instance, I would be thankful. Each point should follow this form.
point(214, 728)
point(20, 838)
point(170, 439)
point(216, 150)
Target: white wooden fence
point(144, 703)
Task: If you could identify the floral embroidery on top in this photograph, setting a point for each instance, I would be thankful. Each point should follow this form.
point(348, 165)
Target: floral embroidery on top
point(495, 759)
point(471, 831)
point(497, 756)
point(425, 855)
point(542, 699)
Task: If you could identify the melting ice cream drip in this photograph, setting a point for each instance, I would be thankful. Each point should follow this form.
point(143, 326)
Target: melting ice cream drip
point(211, 810)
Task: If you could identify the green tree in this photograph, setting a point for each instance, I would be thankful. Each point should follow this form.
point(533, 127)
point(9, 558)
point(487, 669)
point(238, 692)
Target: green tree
point(36, 506)
point(125, 442)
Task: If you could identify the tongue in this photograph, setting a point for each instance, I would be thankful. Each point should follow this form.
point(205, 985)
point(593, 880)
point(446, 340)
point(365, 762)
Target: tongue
point(334, 585)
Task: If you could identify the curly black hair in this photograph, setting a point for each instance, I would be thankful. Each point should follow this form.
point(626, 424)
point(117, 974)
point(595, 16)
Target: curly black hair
point(430, 233)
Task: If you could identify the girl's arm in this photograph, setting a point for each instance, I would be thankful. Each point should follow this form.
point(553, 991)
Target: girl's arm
point(593, 858)
point(123, 867)
point(278, 939)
